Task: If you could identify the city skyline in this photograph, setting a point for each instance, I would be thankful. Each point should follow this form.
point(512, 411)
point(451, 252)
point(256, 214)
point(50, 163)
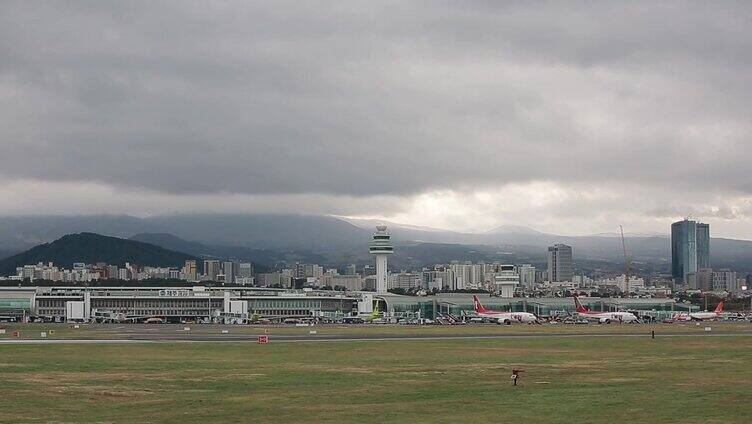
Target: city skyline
point(462, 117)
point(375, 211)
point(690, 272)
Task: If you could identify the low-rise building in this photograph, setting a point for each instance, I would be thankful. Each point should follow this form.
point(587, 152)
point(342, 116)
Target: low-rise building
point(133, 304)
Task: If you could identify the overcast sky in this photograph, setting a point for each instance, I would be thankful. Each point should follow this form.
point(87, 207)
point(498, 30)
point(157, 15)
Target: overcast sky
point(570, 118)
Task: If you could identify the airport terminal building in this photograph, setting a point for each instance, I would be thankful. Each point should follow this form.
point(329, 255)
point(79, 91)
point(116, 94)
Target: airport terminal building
point(171, 304)
point(457, 304)
point(241, 304)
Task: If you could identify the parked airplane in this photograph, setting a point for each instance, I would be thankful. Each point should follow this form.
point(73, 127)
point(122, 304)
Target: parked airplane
point(502, 317)
point(375, 314)
point(700, 316)
point(603, 317)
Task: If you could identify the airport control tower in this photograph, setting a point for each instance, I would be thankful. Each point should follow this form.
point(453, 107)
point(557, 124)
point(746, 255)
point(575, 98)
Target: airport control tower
point(381, 246)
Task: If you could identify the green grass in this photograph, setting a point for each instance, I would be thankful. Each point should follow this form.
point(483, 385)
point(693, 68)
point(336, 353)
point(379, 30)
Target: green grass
point(587, 380)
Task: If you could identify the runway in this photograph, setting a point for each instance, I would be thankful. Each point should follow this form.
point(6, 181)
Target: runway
point(298, 338)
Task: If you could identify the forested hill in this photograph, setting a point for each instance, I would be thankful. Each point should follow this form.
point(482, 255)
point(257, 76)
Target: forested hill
point(92, 248)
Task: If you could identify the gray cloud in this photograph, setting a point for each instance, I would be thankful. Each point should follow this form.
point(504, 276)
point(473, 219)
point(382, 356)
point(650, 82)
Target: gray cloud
point(378, 98)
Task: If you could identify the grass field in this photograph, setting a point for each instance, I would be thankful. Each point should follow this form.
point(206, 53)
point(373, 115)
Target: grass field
point(588, 380)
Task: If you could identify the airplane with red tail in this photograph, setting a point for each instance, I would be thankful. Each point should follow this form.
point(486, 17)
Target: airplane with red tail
point(700, 316)
point(501, 317)
point(603, 317)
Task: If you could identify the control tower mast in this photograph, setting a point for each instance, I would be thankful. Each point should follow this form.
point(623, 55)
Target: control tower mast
point(381, 247)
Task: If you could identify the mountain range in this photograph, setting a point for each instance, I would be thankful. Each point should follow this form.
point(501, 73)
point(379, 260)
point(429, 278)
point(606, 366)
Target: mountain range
point(263, 258)
point(272, 239)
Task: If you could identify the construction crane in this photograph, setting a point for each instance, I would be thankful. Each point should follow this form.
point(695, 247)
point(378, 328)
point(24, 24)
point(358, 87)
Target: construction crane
point(626, 259)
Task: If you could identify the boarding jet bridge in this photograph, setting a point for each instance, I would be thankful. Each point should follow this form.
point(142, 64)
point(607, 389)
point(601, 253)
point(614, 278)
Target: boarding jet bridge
point(455, 306)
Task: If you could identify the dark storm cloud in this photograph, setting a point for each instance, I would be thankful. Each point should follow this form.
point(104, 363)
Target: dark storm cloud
point(369, 98)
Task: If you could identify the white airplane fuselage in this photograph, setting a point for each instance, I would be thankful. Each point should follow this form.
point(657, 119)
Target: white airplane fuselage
point(700, 316)
point(509, 317)
point(502, 317)
point(696, 316)
point(609, 317)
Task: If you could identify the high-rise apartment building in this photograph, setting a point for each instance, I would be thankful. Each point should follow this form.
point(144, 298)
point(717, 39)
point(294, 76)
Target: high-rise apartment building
point(189, 270)
point(231, 271)
point(211, 269)
point(703, 280)
point(312, 271)
point(560, 263)
point(476, 276)
point(725, 280)
point(461, 274)
point(298, 270)
point(245, 270)
point(112, 272)
point(527, 275)
point(404, 280)
point(690, 249)
point(443, 278)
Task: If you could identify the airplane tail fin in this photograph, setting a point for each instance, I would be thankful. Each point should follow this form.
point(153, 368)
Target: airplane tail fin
point(578, 306)
point(719, 308)
point(376, 313)
point(477, 305)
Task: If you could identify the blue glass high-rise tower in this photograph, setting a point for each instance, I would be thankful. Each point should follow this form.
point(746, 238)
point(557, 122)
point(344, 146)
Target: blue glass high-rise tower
point(690, 248)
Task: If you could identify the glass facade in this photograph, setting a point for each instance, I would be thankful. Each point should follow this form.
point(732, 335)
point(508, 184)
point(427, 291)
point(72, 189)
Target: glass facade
point(690, 248)
point(703, 246)
point(429, 308)
point(560, 263)
point(14, 305)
